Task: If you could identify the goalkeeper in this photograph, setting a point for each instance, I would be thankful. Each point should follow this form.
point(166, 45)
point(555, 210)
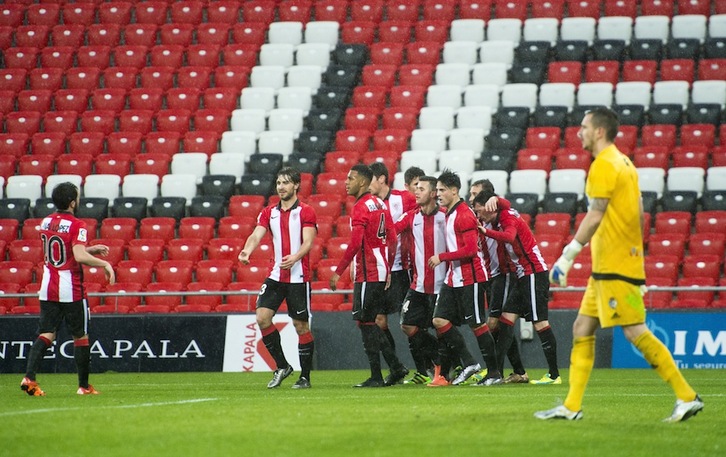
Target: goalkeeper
point(614, 227)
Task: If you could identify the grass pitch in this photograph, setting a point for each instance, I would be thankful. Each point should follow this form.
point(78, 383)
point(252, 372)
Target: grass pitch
point(234, 414)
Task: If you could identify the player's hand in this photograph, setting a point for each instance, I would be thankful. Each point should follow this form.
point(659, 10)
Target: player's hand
point(244, 257)
point(434, 261)
point(388, 281)
point(334, 281)
point(98, 249)
point(110, 275)
point(492, 204)
point(287, 262)
point(558, 273)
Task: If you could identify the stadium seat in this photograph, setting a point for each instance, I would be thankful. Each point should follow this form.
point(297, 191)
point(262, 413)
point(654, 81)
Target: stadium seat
point(149, 249)
point(179, 271)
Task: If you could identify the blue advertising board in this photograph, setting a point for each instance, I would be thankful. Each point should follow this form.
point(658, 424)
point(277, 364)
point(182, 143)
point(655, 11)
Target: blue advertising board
point(696, 340)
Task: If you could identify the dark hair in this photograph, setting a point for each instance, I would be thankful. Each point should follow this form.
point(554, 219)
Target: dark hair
point(379, 169)
point(607, 119)
point(449, 179)
point(291, 173)
point(483, 197)
point(429, 179)
point(485, 184)
point(413, 173)
point(63, 194)
point(363, 170)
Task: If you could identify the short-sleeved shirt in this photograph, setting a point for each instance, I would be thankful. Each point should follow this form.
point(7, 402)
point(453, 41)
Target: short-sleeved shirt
point(399, 202)
point(286, 228)
point(371, 219)
point(427, 235)
point(62, 275)
point(617, 245)
point(522, 248)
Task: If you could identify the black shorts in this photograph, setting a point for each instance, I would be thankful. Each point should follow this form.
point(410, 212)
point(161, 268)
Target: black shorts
point(396, 293)
point(500, 287)
point(462, 305)
point(418, 309)
point(529, 298)
point(75, 314)
point(368, 300)
point(296, 294)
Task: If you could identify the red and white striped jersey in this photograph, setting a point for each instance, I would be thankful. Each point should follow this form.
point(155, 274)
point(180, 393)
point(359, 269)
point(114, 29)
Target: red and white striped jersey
point(520, 243)
point(62, 275)
point(286, 228)
point(399, 202)
point(464, 254)
point(427, 237)
point(373, 235)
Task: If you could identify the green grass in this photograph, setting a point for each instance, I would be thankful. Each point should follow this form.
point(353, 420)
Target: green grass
point(234, 414)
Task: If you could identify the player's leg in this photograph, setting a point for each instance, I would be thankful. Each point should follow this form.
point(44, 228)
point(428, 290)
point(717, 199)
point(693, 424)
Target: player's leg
point(415, 317)
point(365, 312)
point(538, 312)
point(77, 316)
point(50, 319)
point(474, 299)
point(298, 308)
point(268, 302)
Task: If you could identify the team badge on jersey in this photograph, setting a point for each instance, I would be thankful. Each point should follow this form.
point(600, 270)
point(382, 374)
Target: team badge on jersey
point(82, 235)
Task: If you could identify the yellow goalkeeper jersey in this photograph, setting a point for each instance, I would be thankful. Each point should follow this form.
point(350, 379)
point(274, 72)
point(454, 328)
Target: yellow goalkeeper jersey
point(617, 246)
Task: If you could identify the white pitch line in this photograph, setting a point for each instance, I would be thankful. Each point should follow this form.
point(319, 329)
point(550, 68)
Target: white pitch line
point(138, 405)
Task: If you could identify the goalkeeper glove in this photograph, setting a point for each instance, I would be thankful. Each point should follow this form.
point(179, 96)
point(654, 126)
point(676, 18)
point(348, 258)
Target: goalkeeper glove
point(558, 274)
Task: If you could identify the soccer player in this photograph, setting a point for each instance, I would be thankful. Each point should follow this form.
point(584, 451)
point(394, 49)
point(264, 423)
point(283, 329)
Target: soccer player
point(426, 226)
point(530, 294)
point(462, 297)
point(411, 177)
point(62, 297)
point(372, 249)
point(502, 281)
point(397, 202)
point(614, 226)
point(293, 226)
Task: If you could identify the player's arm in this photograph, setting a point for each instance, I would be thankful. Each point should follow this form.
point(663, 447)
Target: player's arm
point(308, 237)
point(97, 249)
point(497, 203)
point(84, 258)
point(391, 239)
point(356, 241)
point(585, 232)
point(251, 244)
point(467, 251)
point(403, 223)
point(509, 232)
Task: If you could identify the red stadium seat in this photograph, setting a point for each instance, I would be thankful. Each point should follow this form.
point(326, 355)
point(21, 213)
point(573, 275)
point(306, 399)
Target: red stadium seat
point(696, 283)
point(415, 75)
point(37, 164)
point(627, 138)
point(130, 56)
point(394, 32)
point(246, 205)
point(676, 70)
point(190, 249)
point(662, 267)
point(167, 55)
point(370, 97)
point(707, 244)
point(161, 303)
point(140, 35)
point(187, 11)
point(98, 121)
point(543, 137)
point(553, 223)
point(176, 33)
point(114, 13)
point(241, 302)
point(30, 229)
point(651, 156)
point(386, 53)
point(163, 142)
point(231, 76)
point(15, 144)
point(27, 122)
point(32, 36)
point(640, 70)
point(294, 11)
point(174, 271)
point(157, 227)
point(211, 301)
point(219, 270)
point(197, 227)
point(249, 33)
point(565, 72)
point(423, 52)
point(362, 32)
point(152, 163)
point(658, 135)
point(122, 302)
point(157, 77)
point(211, 120)
point(12, 14)
point(113, 164)
point(108, 34)
point(173, 120)
point(146, 249)
point(602, 71)
point(262, 11)
point(361, 119)
point(136, 121)
point(225, 248)
point(239, 227)
point(673, 222)
point(408, 96)
point(431, 30)
point(244, 55)
point(97, 57)
point(656, 8)
point(352, 140)
point(702, 7)
point(712, 69)
point(25, 58)
point(8, 231)
point(698, 135)
point(553, 8)
point(152, 12)
point(86, 143)
point(255, 271)
point(182, 98)
point(583, 8)
point(705, 265)
point(667, 244)
point(534, 159)
point(16, 272)
point(331, 10)
point(51, 143)
point(325, 205)
point(25, 251)
point(9, 288)
point(108, 99)
point(224, 98)
point(223, 11)
point(331, 184)
point(690, 156)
